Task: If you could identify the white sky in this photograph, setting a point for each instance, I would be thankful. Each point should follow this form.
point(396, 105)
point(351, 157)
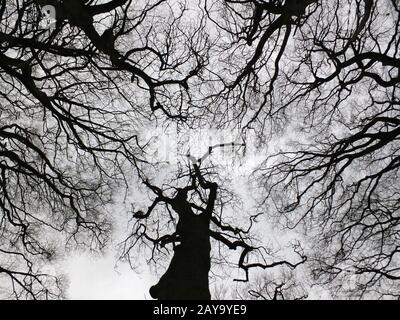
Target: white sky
point(98, 278)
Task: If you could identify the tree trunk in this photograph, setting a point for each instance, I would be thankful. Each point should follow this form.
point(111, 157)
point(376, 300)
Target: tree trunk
point(187, 275)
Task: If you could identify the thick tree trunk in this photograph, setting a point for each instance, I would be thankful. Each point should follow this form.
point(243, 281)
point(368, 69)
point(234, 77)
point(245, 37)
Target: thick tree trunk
point(187, 275)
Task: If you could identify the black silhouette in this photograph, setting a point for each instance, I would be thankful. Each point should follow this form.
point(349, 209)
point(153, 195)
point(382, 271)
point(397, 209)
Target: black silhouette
point(187, 275)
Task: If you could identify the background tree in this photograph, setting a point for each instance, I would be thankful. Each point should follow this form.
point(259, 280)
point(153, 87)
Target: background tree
point(65, 147)
point(324, 76)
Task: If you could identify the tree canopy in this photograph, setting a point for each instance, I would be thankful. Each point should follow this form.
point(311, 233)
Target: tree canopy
point(311, 85)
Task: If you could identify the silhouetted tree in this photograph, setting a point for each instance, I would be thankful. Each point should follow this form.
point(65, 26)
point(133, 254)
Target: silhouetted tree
point(192, 210)
point(326, 76)
point(73, 97)
point(321, 75)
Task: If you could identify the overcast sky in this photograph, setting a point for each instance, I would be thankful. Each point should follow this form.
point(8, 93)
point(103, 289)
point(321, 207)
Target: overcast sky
point(93, 277)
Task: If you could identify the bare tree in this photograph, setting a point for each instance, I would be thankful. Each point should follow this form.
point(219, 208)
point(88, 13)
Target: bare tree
point(76, 94)
point(192, 216)
point(339, 176)
point(73, 97)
